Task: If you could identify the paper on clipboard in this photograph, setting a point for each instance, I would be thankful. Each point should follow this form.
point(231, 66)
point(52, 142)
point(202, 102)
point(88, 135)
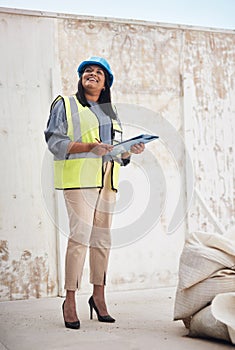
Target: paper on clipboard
point(125, 146)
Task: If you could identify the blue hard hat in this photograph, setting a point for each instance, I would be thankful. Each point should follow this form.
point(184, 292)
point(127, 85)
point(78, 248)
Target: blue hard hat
point(98, 61)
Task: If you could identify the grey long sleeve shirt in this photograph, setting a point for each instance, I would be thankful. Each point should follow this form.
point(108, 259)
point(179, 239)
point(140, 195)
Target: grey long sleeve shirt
point(56, 132)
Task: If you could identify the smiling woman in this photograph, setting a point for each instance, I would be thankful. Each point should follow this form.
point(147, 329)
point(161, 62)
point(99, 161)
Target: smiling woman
point(81, 131)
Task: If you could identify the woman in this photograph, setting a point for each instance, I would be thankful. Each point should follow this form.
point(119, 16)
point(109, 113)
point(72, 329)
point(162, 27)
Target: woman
point(81, 132)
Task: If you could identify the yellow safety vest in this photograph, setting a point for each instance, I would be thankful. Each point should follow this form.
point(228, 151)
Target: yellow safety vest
point(82, 170)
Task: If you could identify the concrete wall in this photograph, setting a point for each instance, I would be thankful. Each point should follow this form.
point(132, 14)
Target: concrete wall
point(172, 79)
point(209, 73)
point(28, 237)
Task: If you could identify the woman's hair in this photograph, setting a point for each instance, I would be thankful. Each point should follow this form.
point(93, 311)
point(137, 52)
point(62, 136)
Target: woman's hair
point(104, 98)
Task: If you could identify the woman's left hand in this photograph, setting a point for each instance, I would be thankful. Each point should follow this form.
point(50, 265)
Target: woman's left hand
point(137, 148)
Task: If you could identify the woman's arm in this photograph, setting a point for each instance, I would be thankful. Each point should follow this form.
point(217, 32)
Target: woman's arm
point(98, 148)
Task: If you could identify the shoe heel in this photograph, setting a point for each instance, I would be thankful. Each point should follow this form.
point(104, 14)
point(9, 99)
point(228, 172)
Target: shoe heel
point(91, 310)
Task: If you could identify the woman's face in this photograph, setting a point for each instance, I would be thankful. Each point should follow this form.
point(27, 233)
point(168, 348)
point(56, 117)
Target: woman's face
point(93, 78)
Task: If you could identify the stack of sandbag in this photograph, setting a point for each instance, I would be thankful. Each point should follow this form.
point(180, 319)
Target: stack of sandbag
point(207, 270)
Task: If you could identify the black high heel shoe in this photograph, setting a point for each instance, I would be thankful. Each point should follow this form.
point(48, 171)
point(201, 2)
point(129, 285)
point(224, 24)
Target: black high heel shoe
point(106, 318)
point(72, 325)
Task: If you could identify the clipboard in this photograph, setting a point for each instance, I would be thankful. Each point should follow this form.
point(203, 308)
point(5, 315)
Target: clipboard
point(125, 146)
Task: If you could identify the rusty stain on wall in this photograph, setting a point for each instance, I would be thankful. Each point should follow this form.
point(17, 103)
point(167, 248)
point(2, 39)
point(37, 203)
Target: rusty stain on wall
point(23, 278)
point(152, 280)
point(129, 48)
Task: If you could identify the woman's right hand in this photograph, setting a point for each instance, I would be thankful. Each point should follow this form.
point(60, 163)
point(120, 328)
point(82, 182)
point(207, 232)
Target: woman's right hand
point(98, 148)
point(101, 149)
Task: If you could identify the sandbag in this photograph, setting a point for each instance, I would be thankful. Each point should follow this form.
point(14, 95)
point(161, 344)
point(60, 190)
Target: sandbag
point(204, 325)
point(223, 309)
point(206, 268)
point(191, 300)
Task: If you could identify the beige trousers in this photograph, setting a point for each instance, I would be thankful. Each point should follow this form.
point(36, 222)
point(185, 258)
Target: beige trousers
point(90, 217)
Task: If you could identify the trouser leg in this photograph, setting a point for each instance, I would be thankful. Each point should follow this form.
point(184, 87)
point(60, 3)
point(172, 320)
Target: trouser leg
point(98, 265)
point(100, 240)
point(80, 205)
point(74, 264)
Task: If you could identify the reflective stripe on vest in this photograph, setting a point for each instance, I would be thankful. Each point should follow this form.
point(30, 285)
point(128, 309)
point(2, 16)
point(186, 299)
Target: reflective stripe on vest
point(82, 170)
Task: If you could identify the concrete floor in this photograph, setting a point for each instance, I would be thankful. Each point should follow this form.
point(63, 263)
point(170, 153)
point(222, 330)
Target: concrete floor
point(143, 321)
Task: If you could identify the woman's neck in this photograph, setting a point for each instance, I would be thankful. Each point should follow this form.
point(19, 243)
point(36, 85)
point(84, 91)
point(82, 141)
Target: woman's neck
point(92, 97)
